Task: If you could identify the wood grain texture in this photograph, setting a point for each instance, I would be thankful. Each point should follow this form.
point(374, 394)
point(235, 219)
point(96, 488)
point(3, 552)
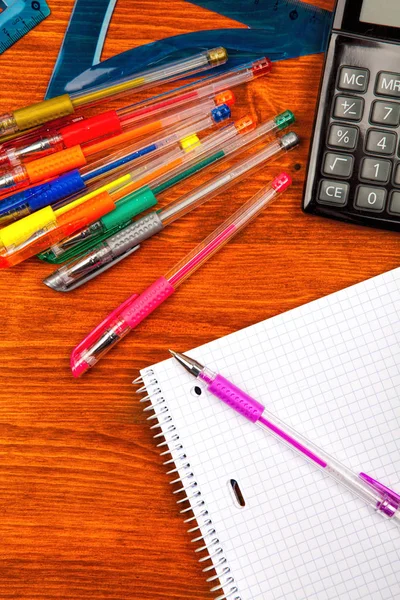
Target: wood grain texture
point(86, 510)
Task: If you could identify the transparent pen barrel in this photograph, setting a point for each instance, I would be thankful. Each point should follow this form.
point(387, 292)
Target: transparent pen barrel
point(320, 458)
point(169, 71)
point(216, 185)
point(190, 92)
point(220, 236)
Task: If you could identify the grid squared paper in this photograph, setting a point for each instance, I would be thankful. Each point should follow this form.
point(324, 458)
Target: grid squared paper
point(330, 369)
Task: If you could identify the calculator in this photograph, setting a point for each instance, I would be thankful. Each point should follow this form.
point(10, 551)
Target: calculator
point(354, 168)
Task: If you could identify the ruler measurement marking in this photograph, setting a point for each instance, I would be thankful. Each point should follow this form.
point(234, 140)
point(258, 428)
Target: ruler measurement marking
point(19, 25)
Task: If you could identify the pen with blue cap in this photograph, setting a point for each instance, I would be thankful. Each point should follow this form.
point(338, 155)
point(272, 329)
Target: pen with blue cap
point(25, 202)
point(385, 501)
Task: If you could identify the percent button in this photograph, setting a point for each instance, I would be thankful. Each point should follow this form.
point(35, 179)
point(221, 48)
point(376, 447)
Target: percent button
point(343, 136)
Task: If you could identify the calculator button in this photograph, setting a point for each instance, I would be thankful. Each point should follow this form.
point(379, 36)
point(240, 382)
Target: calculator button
point(333, 192)
point(377, 170)
point(343, 136)
point(381, 142)
point(388, 84)
point(371, 198)
point(352, 79)
point(386, 113)
point(348, 108)
point(397, 175)
point(395, 203)
point(338, 165)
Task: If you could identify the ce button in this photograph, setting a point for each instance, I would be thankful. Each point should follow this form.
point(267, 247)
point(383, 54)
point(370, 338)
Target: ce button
point(333, 192)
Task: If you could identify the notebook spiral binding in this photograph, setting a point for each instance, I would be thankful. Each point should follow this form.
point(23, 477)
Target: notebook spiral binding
point(210, 545)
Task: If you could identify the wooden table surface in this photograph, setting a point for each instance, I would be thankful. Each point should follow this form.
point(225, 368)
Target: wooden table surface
point(86, 509)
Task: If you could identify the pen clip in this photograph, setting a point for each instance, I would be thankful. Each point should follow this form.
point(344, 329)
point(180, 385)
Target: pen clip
point(102, 269)
point(382, 489)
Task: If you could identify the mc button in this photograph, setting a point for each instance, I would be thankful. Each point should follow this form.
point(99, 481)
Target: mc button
point(333, 192)
point(353, 79)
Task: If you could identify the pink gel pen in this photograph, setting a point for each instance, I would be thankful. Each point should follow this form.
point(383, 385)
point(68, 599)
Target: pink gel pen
point(385, 501)
point(136, 308)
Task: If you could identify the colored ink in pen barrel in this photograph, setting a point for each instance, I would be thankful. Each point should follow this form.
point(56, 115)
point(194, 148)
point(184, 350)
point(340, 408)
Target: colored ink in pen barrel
point(69, 184)
point(121, 245)
point(77, 156)
point(18, 233)
point(250, 136)
point(54, 108)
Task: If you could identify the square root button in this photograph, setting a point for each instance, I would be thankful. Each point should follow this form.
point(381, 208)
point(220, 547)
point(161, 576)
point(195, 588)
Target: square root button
point(333, 192)
point(338, 165)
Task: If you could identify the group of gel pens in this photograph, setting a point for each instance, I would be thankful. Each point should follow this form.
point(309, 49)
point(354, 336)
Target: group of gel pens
point(72, 186)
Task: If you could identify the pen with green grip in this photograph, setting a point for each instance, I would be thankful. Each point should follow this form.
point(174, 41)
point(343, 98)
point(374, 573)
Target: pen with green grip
point(115, 248)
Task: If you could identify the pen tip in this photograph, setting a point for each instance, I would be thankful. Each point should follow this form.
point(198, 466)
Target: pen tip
point(172, 352)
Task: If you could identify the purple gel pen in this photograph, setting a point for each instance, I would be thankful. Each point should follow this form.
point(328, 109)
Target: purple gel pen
point(385, 501)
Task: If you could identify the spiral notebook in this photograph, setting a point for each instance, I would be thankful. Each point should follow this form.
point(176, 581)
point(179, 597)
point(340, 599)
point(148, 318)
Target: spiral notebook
point(330, 369)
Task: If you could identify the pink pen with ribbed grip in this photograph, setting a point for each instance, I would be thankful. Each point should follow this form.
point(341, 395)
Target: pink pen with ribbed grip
point(385, 501)
point(134, 310)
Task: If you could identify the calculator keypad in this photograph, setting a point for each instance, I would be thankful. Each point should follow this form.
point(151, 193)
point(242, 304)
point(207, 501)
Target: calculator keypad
point(354, 171)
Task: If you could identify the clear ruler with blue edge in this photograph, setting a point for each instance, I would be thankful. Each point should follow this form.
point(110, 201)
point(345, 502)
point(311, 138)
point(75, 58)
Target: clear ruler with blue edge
point(279, 29)
point(18, 17)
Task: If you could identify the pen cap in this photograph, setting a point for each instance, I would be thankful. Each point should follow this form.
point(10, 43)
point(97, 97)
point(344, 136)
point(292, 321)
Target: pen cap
point(282, 182)
point(220, 113)
point(261, 67)
point(105, 124)
point(284, 119)
point(55, 164)
point(129, 207)
point(245, 124)
point(217, 56)
point(225, 97)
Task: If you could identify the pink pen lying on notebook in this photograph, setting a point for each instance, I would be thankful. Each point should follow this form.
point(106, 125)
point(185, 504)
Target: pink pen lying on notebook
point(385, 501)
point(136, 308)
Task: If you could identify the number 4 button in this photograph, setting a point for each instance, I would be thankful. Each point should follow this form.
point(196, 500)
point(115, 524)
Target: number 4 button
point(381, 142)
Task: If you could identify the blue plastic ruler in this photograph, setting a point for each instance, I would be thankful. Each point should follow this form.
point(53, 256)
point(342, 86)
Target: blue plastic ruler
point(18, 17)
point(279, 29)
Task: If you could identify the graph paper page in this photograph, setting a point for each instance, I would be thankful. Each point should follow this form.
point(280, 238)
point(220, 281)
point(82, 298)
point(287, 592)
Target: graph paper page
point(330, 369)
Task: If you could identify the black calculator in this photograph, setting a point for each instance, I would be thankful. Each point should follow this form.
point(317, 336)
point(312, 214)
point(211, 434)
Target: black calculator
point(354, 168)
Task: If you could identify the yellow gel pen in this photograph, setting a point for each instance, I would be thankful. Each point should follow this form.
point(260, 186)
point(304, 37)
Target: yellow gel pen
point(61, 106)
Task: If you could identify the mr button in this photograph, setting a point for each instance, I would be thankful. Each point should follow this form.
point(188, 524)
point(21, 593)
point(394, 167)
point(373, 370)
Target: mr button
point(333, 192)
